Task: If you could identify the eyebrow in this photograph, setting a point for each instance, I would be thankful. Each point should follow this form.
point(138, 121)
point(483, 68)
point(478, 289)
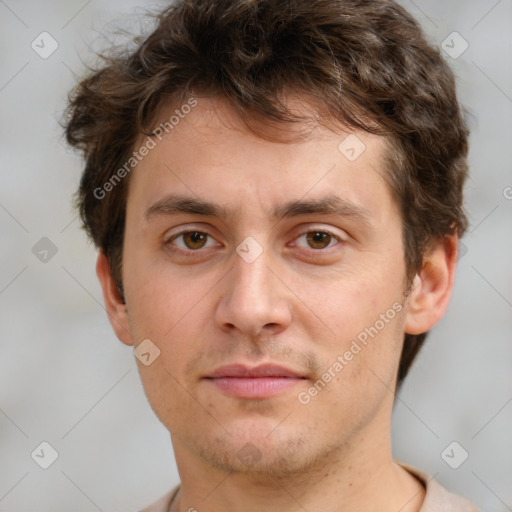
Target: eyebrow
point(330, 204)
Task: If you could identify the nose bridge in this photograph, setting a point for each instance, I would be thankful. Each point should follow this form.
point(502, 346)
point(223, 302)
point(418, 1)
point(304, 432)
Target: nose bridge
point(252, 286)
point(252, 277)
point(254, 297)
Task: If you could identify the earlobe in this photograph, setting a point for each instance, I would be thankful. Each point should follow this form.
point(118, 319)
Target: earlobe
point(116, 308)
point(432, 287)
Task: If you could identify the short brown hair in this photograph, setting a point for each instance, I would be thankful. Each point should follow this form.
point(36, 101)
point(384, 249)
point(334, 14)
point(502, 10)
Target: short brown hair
point(366, 62)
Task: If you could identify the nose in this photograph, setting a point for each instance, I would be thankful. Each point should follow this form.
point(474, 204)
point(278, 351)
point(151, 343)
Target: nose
point(255, 300)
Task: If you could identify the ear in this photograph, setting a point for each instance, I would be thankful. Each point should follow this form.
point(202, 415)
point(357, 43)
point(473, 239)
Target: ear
point(116, 308)
point(432, 286)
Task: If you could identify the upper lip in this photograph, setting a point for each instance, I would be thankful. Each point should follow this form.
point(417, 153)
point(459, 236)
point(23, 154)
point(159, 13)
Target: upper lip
point(264, 370)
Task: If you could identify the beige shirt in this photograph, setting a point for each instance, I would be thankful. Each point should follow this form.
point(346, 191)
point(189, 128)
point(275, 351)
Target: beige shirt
point(437, 498)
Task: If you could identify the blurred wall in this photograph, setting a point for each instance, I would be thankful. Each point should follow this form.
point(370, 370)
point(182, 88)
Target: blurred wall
point(67, 381)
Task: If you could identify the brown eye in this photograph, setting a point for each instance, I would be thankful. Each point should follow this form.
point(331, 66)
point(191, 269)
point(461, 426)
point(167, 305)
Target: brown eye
point(191, 240)
point(318, 239)
point(194, 239)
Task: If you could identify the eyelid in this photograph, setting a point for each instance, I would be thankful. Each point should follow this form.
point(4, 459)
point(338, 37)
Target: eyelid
point(169, 234)
point(322, 229)
point(169, 238)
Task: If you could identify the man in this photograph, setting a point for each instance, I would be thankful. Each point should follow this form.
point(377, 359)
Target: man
point(275, 189)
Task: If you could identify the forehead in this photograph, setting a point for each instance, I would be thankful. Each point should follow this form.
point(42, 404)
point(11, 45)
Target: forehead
point(203, 148)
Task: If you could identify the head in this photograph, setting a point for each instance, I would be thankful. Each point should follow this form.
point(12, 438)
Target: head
point(247, 105)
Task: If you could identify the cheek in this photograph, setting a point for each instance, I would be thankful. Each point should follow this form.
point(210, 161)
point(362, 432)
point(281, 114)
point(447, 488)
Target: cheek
point(365, 320)
point(159, 300)
point(346, 305)
point(175, 312)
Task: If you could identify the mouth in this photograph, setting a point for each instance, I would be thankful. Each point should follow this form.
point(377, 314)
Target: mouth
point(261, 382)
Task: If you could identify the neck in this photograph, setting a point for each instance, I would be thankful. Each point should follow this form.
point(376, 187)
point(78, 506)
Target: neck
point(359, 475)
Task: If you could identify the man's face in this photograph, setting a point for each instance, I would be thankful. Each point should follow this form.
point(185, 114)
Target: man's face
point(278, 279)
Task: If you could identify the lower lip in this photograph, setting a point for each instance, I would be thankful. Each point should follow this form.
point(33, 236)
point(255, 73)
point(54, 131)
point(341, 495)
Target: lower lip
point(254, 387)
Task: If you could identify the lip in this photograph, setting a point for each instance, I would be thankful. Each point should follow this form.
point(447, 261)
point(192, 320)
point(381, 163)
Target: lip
point(260, 382)
point(263, 370)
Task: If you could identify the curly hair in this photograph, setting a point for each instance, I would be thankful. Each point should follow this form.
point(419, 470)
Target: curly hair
point(366, 63)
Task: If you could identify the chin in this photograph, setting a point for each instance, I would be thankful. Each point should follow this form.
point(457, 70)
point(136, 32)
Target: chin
point(261, 452)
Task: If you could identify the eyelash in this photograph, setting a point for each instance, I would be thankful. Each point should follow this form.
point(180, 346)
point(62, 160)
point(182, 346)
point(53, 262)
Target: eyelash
point(193, 253)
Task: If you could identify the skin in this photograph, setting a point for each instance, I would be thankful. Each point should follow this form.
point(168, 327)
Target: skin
point(299, 304)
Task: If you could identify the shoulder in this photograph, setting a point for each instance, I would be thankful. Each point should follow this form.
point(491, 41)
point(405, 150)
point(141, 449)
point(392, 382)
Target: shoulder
point(437, 498)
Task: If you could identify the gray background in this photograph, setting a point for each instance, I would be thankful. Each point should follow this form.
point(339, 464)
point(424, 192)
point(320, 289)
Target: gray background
point(66, 379)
